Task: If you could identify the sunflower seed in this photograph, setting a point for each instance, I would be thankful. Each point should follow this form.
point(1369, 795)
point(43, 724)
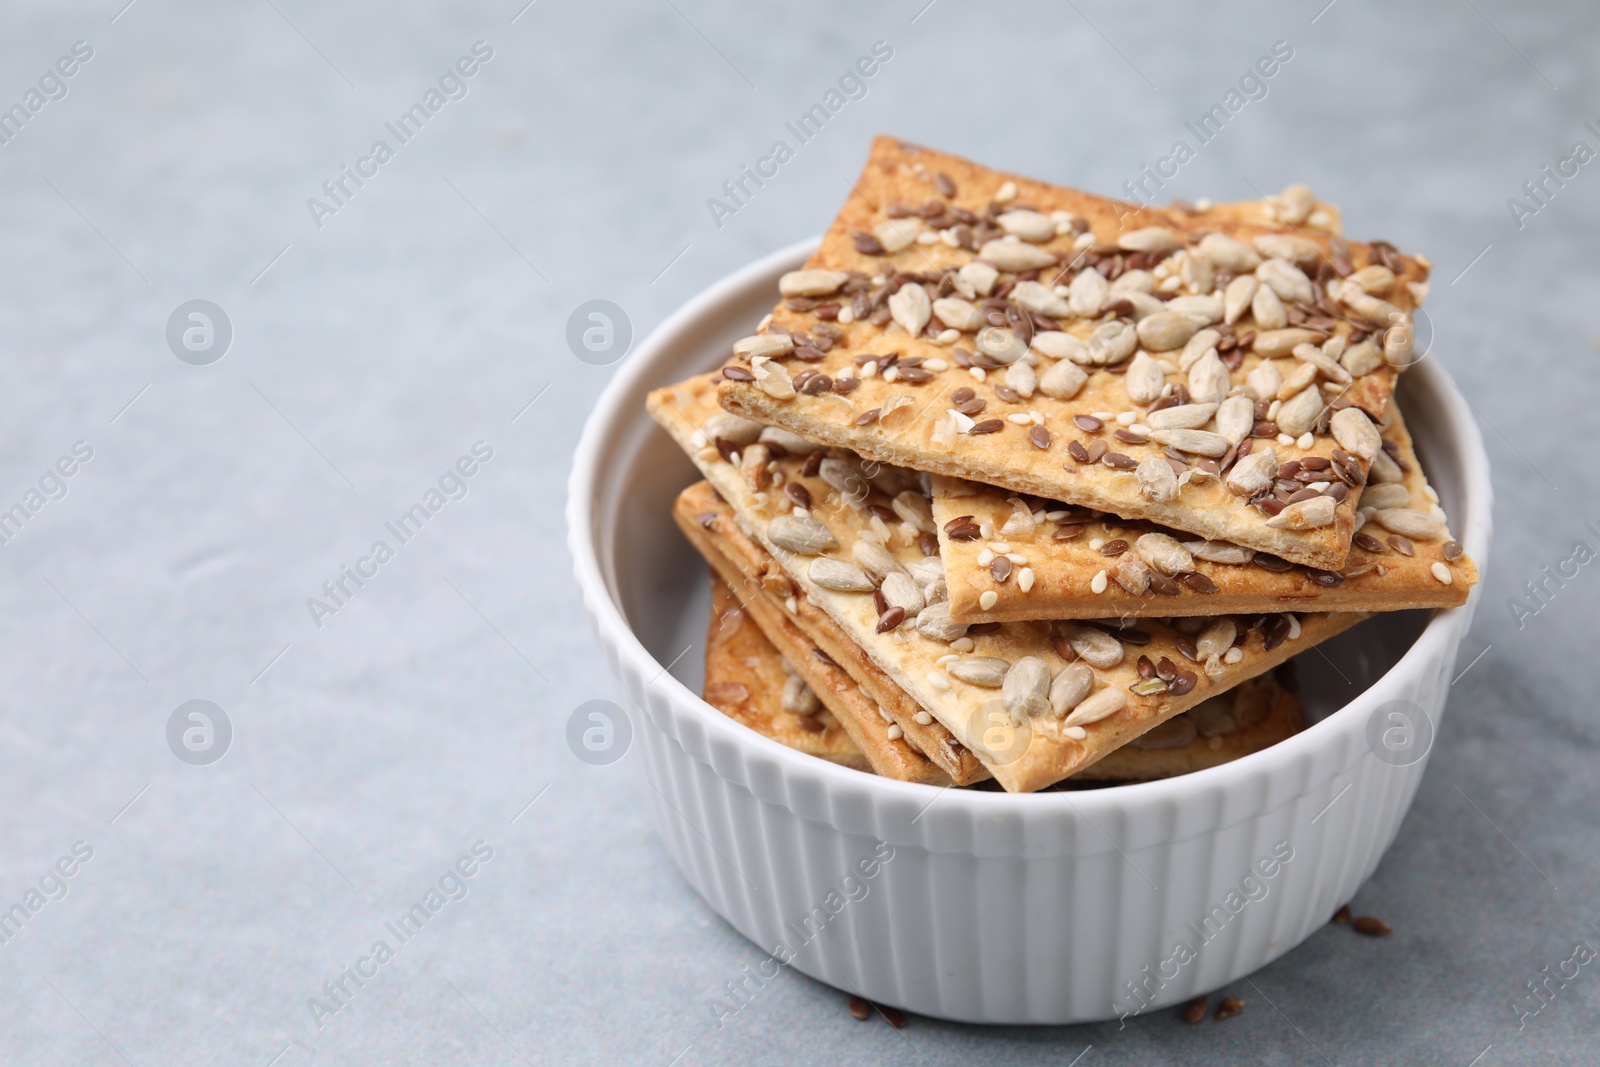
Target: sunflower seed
point(934, 623)
point(1268, 310)
point(1145, 378)
point(1374, 310)
point(1300, 412)
point(1199, 442)
point(1156, 480)
point(911, 307)
point(1286, 246)
point(1097, 706)
point(1094, 645)
point(1208, 380)
point(1088, 293)
point(1384, 469)
point(1389, 495)
point(1253, 473)
point(1039, 299)
point(1164, 553)
point(1181, 416)
point(985, 671)
point(838, 575)
point(1409, 521)
point(800, 534)
point(811, 282)
point(1198, 273)
point(1112, 343)
point(1287, 280)
point(1272, 343)
point(900, 590)
point(1312, 356)
point(1237, 297)
point(1216, 638)
point(797, 697)
point(1376, 279)
point(1235, 419)
point(897, 234)
point(1021, 379)
point(1150, 239)
point(1010, 254)
point(1132, 574)
point(1028, 225)
point(1026, 689)
point(1264, 381)
point(1062, 381)
point(1305, 514)
point(1196, 347)
point(1070, 687)
point(1228, 254)
point(726, 426)
point(958, 314)
point(771, 379)
point(771, 345)
point(1219, 551)
point(1203, 309)
point(1165, 331)
point(1361, 358)
point(1441, 571)
point(1355, 433)
point(978, 277)
point(1000, 345)
point(876, 560)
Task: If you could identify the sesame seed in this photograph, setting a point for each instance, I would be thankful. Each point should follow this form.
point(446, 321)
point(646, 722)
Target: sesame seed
point(1127, 418)
point(985, 557)
point(1098, 582)
point(792, 605)
point(1001, 547)
point(935, 364)
point(1233, 655)
point(989, 599)
point(938, 681)
point(1285, 440)
point(884, 715)
point(1306, 440)
point(1025, 579)
point(978, 373)
point(923, 719)
point(948, 337)
point(1441, 571)
point(1007, 193)
point(847, 315)
point(1294, 627)
point(1097, 543)
point(699, 439)
point(963, 644)
point(895, 733)
point(1077, 733)
point(869, 368)
point(1018, 558)
point(947, 659)
point(1103, 416)
point(1019, 418)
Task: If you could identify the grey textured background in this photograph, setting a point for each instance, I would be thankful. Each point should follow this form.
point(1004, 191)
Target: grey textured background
point(427, 314)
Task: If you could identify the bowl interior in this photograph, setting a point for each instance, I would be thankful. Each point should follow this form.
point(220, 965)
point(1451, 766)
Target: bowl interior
point(661, 585)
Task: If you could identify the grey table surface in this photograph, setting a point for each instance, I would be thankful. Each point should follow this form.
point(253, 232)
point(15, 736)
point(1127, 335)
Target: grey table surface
point(377, 339)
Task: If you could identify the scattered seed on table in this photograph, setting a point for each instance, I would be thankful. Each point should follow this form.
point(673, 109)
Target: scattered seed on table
point(1372, 926)
point(860, 1009)
point(1228, 1007)
point(1342, 915)
point(1195, 1010)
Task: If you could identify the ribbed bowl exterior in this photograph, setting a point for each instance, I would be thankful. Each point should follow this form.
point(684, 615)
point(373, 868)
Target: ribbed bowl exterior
point(984, 907)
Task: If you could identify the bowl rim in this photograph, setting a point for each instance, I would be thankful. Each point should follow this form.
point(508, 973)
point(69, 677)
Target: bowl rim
point(617, 405)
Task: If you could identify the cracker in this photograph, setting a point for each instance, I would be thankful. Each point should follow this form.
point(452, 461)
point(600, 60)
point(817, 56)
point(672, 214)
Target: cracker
point(893, 397)
point(1068, 554)
point(927, 752)
point(1247, 718)
point(746, 680)
point(1025, 752)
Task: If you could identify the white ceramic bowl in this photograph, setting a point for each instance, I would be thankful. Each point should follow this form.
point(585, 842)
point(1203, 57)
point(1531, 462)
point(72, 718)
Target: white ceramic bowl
point(982, 906)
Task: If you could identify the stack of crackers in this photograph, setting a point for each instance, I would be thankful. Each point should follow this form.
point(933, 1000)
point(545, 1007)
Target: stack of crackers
point(1022, 485)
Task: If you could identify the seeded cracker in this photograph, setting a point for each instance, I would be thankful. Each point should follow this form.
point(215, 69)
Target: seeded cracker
point(1247, 718)
point(1044, 560)
point(748, 681)
point(1061, 344)
point(709, 525)
point(1001, 690)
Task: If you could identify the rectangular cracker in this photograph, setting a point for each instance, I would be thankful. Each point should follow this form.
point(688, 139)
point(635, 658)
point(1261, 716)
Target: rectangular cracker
point(1247, 718)
point(1071, 553)
point(746, 679)
point(927, 752)
point(1026, 752)
point(1027, 439)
